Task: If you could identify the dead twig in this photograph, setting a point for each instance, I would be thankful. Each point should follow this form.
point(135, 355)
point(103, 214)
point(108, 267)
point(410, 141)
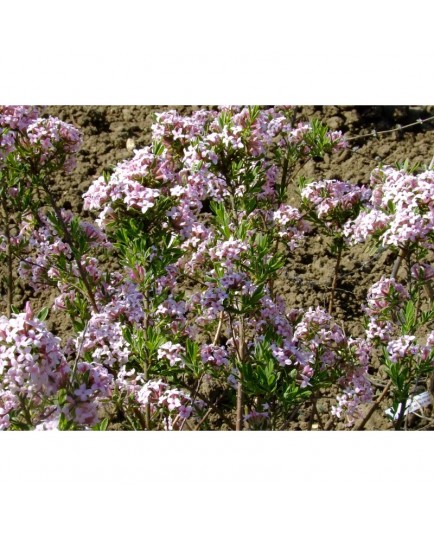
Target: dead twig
point(374, 406)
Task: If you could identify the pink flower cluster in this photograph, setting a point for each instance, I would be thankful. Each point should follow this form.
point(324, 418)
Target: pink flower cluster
point(273, 313)
point(384, 294)
point(319, 333)
point(422, 271)
point(136, 182)
point(171, 126)
point(216, 355)
point(54, 139)
point(402, 348)
point(357, 389)
point(210, 303)
point(14, 120)
point(95, 386)
point(120, 299)
point(290, 225)
point(401, 210)
point(120, 303)
point(104, 339)
point(287, 353)
point(45, 247)
point(333, 200)
point(172, 352)
point(174, 311)
point(18, 117)
point(269, 127)
point(168, 402)
point(32, 364)
point(309, 341)
point(228, 252)
point(50, 139)
point(256, 418)
point(385, 300)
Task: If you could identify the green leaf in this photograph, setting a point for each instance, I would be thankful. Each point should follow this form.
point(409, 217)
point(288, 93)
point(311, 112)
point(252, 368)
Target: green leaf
point(61, 397)
point(64, 424)
point(102, 426)
point(43, 313)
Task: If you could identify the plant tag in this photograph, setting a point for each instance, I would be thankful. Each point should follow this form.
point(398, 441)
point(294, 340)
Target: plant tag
point(413, 404)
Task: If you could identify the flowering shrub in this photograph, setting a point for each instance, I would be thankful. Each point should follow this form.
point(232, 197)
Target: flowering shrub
point(188, 329)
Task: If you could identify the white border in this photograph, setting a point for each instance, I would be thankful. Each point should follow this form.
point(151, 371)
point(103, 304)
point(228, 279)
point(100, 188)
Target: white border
point(196, 52)
point(212, 483)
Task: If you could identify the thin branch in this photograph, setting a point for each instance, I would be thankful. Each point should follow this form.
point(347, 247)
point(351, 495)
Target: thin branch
point(335, 277)
point(240, 393)
point(219, 328)
point(374, 406)
point(374, 133)
point(397, 264)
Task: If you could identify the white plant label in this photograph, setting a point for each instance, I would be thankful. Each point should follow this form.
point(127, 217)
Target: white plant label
point(413, 404)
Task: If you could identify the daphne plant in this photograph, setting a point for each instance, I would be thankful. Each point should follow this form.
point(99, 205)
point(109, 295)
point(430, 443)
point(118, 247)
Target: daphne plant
point(175, 322)
point(204, 209)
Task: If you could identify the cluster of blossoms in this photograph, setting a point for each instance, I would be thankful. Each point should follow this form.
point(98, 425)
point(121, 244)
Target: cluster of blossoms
point(171, 126)
point(275, 126)
point(44, 247)
point(385, 293)
point(174, 311)
point(290, 225)
point(317, 345)
point(334, 201)
point(211, 303)
point(321, 338)
point(53, 139)
point(32, 364)
point(14, 120)
point(400, 211)
point(167, 402)
point(171, 352)
point(84, 404)
point(216, 355)
point(288, 354)
point(228, 252)
point(18, 118)
point(273, 313)
point(136, 182)
point(357, 389)
point(34, 368)
point(385, 301)
point(256, 418)
point(318, 331)
point(402, 348)
point(385, 309)
point(103, 337)
point(422, 271)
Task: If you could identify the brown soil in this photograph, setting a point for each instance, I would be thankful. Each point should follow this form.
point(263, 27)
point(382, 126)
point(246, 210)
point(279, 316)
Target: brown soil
point(307, 279)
